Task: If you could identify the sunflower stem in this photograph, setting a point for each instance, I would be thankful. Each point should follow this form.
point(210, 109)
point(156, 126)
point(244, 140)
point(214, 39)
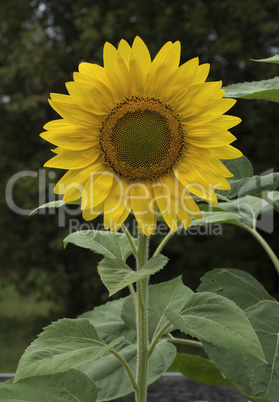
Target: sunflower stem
point(157, 337)
point(142, 322)
point(126, 367)
point(165, 240)
point(266, 247)
point(187, 342)
point(130, 238)
point(274, 204)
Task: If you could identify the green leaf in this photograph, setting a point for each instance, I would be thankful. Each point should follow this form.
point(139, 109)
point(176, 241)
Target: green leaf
point(248, 208)
point(56, 204)
point(218, 215)
point(264, 89)
point(252, 376)
point(162, 297)
point(73, 386)
point(239, 167)
point(237, 285)
point(199, 369)
point(116, 275)
point(111, 378)
point(252, 185)
point(106, 243)
point(108, 322)
point(108, 373)
point(64, 345)
point(243, 211)
point(216, 319)
point(273, 59)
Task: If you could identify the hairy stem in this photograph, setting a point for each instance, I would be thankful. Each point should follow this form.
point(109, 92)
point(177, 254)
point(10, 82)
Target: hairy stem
point(157, 337)
point(187, 342)
point(130, 238)
point(127, 368)
point(142, 322)
point(165, 240)
point(266, 246)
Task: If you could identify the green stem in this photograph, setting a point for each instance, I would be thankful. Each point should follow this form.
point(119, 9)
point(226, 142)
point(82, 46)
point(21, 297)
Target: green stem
point(157, 337)
point(142, 322)
point(165, 240)
point(130, 238)
point(274, 204)
point(134, 296)
point(127, 368)
point(266, 246)
point(187, 342)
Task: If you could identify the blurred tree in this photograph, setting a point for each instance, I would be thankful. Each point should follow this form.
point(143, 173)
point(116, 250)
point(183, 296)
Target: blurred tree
point(41, 44)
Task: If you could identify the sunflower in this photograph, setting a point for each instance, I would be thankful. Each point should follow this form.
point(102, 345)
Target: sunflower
point(141, 135)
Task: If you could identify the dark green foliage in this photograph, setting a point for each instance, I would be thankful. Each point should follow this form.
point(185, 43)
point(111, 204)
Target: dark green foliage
point(41, 44)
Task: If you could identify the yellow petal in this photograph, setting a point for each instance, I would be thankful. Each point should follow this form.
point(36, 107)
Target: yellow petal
point(166, 193)
point(74, 114)
point(199, 95)
point(72, 137)
point(94, 73)
point(92, 213)
point(143, 207)
point(54, 124)
point(124, 50)
point(117, 71)
point(115, 225)
point(180, 81)
point(207, 112)
point(96, 189)
point(194, 157)
point(164, 64)
point(72, 183)
point(139, 64)
point(226, 152)
point(90, 98)
point(66, 159)
point(188, 205)
point(196, 184)
point(207, 136)
point(202, 73)
point(115, 204)
point(226, 121)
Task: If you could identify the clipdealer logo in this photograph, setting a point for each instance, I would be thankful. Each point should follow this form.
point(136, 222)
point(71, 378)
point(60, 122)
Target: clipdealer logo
point(45, 182)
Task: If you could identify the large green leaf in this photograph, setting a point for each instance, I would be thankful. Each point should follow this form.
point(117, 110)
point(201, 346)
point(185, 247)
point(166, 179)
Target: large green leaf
point(72, 386)
point(108, 322)
point(106, 243)
point(111, 378)
point(164, 296)
point(116, 275)
point(108, 373)
point(64, 345)
point(218, 215)
point(235, 284)
point(249, 208)
point(251, 185)
point(199, 369)
point(264, 89)
point(216, 319)
point(252, 376)
point(243, 212)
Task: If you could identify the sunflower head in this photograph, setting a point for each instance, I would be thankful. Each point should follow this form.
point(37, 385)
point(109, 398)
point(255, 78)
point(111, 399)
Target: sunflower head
point(142, 135)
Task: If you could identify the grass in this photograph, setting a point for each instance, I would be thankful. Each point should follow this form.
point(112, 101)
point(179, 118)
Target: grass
point(21, 320)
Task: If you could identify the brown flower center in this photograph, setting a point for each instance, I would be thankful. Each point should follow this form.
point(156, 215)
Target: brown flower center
point(141, 139)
